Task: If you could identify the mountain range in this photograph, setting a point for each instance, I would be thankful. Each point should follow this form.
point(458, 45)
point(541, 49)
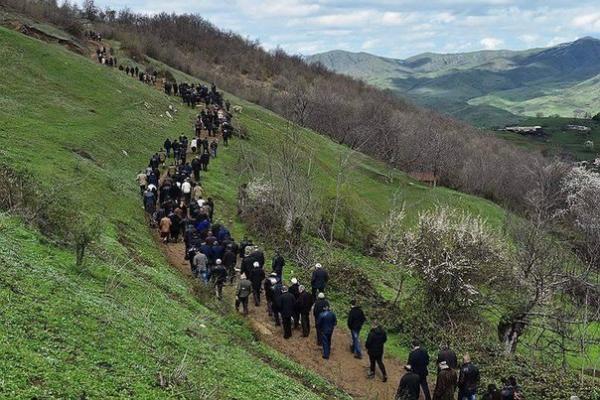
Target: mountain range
point(487, 88)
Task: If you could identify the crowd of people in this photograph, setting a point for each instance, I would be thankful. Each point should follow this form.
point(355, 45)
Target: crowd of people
point(175, 202)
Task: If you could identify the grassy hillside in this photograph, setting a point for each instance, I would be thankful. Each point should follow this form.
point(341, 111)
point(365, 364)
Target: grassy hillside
point(114, 328)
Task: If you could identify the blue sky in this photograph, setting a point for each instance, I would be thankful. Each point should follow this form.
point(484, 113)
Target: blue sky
point(392, 28)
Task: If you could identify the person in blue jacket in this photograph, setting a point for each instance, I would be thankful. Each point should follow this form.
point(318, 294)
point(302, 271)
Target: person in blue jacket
point(326, 324)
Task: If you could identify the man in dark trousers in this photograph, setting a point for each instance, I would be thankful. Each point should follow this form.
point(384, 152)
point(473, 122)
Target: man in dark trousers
point(468, 379)
point(326, 324)
point(409, 386)
point(303, 305)
point(374, 344)
point(277, 265)
point(268, 286)
point(295, 290)
point(356, 319)
point(419, 360)
point(447, 355)
point(167, 146)
point(320, 305)
point(219, 274)
point(319, 280)
point(277, 291)
point(257, 276)
point(229, 260)
point(243, 291)
point(286, 305)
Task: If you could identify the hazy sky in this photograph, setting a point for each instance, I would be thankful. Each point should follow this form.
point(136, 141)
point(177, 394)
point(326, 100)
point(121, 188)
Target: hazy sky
point(393, 28)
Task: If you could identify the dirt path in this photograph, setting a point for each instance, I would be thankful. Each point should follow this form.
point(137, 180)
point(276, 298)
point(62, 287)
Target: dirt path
point(342, 369)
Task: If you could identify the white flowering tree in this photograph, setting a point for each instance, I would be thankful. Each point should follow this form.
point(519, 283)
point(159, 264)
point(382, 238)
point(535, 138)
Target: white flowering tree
point(452, 254)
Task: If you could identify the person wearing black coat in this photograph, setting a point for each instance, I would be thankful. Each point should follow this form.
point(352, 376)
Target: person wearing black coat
point(418, 359)
point(409, 386)
point(277, 265)
point(229, 260)
point(319, 307)
point(295, 290)
point(286, 304)
point(257, 276)
point(447, 355)
point(268, 285)
point(303, 305)
point(167, 146)
point(374, 345)
point(219, 275)
point(319, 280)
point(277, 290)
point(356, 319)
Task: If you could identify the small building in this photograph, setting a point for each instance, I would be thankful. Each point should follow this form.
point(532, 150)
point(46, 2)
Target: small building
point(579, 128)
point(525, 130)
point(428, 178)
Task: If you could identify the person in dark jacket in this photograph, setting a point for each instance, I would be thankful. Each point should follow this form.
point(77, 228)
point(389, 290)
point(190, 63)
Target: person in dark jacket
point(319, 280)
point(167, 146)
point(242, 293)
point(356, 319)
point(468, 380)
point(445, 385)
point(277, 292)
point(257, 276)
point(268, 286)
point(277, 265)
point(303, 305)
point(410, 385)
point(492, 393)
point(320, 305)
point(219, 275)
point(374, 345)
point(419, 360)
point(229, 260)
point(295, 290)
point(447, 355)
point(286, 305)
point(326, 323)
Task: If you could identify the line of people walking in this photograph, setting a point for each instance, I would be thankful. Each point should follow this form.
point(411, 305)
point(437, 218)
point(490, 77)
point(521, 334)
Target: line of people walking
point(173, 197)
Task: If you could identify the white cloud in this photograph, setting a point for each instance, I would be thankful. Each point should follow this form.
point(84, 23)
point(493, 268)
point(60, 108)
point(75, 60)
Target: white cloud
point(589, 22)
point(352, 18)
point(529, 39)
point(491, 43)
point(369, 44)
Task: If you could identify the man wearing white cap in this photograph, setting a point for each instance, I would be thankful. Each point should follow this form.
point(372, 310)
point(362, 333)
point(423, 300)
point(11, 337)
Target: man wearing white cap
point(445, 385)
point(295, 290)
point(319, 280)
point(286, 305)
point(257, 276)
point(320, 305)
point(243, 291)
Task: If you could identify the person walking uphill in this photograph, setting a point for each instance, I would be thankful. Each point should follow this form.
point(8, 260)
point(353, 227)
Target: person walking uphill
point(244, 288)
point(356, 319)
point(445, 385)
point(409, 386)
point(319, 307)
point(303, 305)
point(319, 280)
point(468, 380)
point(419, 360)
point(326, 324)
point(287, 304)
point(374, 345)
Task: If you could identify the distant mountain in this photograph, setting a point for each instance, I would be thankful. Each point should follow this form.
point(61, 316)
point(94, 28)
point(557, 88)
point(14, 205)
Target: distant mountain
point(488, 88)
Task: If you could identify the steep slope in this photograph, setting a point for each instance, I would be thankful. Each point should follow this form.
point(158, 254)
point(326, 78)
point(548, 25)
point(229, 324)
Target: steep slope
point(125, 325)
point(477, 85)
